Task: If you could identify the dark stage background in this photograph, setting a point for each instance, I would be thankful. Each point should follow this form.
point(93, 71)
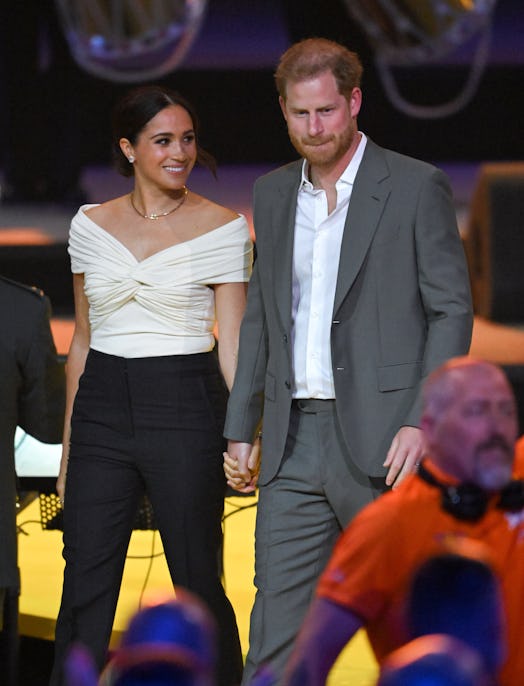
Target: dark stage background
point(228, 75)
point(228, 71)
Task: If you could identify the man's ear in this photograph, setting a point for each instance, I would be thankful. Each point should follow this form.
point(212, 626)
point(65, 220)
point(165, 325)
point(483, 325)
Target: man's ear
point(283, 107)
point(355, 102)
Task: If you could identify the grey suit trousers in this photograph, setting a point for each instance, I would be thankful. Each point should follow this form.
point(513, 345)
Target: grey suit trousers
point(301, 513)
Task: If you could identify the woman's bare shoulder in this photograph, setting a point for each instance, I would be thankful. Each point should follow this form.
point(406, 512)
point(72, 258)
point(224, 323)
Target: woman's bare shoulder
point(108, 211)
point(213, 215)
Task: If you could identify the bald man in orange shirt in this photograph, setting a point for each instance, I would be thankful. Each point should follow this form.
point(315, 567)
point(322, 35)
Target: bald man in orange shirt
point(466, 488)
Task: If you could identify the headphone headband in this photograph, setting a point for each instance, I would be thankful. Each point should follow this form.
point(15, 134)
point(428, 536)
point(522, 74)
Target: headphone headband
point(468, 501)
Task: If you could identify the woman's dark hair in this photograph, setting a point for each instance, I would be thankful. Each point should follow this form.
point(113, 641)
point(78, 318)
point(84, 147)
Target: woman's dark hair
point(157, 675)
point(136, 109)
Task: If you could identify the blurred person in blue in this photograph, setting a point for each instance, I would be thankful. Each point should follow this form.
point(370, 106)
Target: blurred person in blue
point(170, 642)
point(457, 593)
point(434, 660)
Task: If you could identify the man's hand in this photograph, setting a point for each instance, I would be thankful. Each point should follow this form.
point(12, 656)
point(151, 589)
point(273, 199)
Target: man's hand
point(404, 455)
point(241, 465)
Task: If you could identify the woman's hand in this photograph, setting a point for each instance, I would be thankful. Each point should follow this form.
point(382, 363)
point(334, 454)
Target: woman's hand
point(242, 465)
point(61, 479)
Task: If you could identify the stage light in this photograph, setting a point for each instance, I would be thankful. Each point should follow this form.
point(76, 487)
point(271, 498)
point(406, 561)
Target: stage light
point(130, 40)
point(421, 32)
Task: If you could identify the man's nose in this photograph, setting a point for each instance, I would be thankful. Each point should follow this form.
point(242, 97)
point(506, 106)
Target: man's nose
point(314, 124)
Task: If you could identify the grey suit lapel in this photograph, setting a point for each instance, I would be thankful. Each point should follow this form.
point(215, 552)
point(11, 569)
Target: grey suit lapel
point(283, 229)
point(368, 199)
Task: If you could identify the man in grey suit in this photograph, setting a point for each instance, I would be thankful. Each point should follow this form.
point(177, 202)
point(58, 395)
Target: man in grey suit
point(360, 289)
point(32, 395)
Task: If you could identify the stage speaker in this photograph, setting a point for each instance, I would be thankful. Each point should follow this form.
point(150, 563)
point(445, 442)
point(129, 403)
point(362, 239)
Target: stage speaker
point(494, 243)
point(51, 513)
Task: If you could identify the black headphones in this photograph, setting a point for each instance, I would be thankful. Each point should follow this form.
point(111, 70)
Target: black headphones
point(469, 502)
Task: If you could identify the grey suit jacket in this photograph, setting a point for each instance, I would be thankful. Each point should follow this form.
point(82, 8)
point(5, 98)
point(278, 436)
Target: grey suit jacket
point(402, 307)
point(32, 395)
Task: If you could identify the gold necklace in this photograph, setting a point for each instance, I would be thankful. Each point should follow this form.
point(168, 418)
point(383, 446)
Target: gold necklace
point(154, 215)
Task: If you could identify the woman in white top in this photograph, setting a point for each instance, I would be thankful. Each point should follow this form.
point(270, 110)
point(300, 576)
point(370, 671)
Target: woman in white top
point(154, 271)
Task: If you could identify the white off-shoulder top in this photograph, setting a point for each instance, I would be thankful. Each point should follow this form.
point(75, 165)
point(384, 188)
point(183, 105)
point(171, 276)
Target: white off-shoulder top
point(164, 304)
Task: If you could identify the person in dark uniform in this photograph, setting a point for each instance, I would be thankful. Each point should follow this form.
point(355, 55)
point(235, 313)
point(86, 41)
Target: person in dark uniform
point(32, 395)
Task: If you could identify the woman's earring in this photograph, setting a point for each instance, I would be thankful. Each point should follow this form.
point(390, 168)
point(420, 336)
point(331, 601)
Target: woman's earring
point(131, 159)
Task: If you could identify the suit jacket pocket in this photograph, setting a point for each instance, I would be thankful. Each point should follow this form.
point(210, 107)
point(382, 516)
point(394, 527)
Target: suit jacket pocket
point(270, 387)
point(397, 376)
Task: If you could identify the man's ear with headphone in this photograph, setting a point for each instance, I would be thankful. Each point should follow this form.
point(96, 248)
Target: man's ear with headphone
point(469, 502)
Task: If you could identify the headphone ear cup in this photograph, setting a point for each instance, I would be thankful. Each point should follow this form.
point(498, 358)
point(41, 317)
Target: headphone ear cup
point(466, 501)
point(512, 496)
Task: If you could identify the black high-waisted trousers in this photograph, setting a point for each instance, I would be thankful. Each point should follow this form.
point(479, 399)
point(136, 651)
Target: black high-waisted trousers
point(155, 424)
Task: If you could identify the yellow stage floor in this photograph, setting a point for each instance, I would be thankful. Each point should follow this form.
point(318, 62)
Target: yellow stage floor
point(42, 565)
point(41, 562)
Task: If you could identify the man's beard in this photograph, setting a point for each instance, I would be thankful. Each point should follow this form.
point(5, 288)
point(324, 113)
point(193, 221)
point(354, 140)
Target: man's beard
point(317, 153)
point(492, 475)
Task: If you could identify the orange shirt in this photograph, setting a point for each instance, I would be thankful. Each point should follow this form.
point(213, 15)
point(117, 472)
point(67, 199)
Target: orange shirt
point(378, 553)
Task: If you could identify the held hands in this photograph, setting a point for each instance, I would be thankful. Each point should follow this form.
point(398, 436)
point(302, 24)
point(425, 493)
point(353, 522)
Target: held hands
point(242, 465)
point(242, 460)
point(404, 455)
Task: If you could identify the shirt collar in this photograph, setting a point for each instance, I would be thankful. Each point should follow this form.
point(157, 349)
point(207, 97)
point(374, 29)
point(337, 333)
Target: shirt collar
point(349, 173)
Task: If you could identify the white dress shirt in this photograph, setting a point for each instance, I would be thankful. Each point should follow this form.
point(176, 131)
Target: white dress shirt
point(316, 253)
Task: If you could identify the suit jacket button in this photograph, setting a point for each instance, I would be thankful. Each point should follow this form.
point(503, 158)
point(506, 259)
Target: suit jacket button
point(284, 338)
point(288, 385)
